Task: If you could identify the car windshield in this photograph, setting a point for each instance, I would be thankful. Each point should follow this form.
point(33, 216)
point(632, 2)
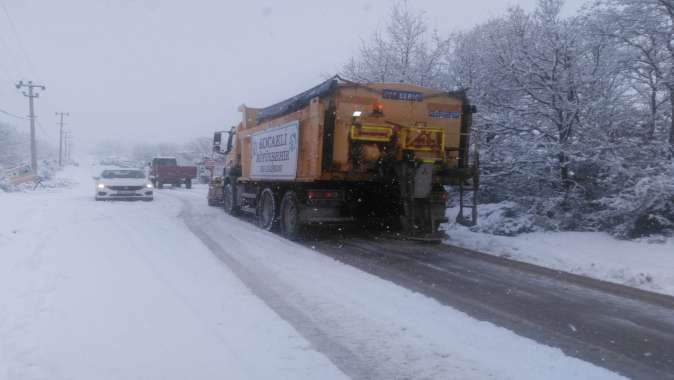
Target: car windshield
point(165, 162)
point(122, 174)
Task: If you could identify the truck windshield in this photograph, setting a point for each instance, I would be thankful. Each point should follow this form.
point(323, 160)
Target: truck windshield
point(165, 162)
point(122, 174)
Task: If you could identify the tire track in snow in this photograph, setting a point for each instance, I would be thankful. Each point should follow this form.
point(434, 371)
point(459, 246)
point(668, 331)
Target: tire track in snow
point(396, 334)
point(266, 287)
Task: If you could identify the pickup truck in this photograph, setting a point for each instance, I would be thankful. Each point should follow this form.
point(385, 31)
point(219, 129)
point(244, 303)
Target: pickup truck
point(165, 170)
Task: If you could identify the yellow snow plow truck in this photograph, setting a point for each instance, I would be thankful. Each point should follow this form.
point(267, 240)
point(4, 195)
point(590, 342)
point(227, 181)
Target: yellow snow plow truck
point(345, 152)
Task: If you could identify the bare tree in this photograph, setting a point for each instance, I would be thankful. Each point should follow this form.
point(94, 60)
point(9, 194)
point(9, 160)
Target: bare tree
point(645, 28)
point(404, 52)
point(200, 147)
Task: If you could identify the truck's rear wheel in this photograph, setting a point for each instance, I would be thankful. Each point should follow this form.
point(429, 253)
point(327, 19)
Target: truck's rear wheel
point(290, 216)
point(229, 199)
point(267, 210)
point(188, 183)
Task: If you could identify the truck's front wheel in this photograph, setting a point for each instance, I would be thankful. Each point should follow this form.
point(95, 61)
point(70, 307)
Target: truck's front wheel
point(290, 216)
point(188, 183)
point(228, 199)
point(267, 210)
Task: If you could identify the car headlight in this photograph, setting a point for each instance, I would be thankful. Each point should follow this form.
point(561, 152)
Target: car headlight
point(101, 186)
point(149, 185)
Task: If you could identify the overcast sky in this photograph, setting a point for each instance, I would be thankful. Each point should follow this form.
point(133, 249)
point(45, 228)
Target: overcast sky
point(169, 70)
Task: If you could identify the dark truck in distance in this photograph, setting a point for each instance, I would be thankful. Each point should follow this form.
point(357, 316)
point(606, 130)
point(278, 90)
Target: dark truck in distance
point(165, 170)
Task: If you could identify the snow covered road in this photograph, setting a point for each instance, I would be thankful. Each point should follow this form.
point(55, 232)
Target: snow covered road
point(124, 291)
point(614, 326)
point(175, 289)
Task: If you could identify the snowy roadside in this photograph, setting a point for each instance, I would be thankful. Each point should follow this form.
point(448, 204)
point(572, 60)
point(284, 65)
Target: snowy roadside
point(646, 264)
point(97, 290)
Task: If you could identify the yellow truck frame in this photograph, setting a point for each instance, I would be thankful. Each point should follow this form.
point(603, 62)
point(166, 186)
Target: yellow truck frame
point(344, 152)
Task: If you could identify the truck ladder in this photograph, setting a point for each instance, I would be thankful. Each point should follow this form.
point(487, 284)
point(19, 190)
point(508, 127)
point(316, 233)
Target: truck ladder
point(473, 187)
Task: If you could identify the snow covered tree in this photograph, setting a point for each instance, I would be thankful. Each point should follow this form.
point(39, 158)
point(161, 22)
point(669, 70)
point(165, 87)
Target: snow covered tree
point(404, 52)
point(645, 29)
point(539, 84)
point(200, 147)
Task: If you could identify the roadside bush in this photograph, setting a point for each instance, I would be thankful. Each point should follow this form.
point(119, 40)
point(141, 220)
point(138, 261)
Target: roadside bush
point(643, 209)
point(4, 185)
point(505, 219)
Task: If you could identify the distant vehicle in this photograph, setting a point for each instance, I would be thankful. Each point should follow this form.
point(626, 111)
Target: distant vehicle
point(204, 173)
point(165, 170)
point(123, 184)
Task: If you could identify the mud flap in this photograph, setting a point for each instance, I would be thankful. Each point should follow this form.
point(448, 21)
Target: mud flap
point(423, 181)
point(419, 220)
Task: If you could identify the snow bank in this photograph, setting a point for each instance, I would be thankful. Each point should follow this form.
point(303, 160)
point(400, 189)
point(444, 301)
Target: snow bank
point(51, 177)
point(505, 218)
point(647, 263)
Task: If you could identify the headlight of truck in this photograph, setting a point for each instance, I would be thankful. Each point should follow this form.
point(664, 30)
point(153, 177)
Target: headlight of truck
point(101, 186)
point(148, 185)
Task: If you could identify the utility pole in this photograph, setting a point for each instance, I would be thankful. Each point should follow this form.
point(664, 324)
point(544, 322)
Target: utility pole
point(31, 94)
point(68, 147)
point(61, 135)
point(65, 146)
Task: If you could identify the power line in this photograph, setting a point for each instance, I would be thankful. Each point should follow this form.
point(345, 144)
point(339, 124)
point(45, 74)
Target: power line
point(39, 125)
point(42, 129)
point(5, 72)
point(13, 115)
point(18, 40)
point(9, 53)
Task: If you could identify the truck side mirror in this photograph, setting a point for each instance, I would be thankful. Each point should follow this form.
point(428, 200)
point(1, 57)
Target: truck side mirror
point(230, 139)
point(217, 141)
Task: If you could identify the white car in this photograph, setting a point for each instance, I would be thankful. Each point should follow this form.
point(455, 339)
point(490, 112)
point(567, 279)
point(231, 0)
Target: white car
point(127, 184)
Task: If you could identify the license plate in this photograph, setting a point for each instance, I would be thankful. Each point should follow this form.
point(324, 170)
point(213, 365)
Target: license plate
point(126, 193)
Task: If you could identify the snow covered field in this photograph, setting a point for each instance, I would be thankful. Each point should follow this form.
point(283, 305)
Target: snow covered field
point(647, 264)
point(174, 289)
